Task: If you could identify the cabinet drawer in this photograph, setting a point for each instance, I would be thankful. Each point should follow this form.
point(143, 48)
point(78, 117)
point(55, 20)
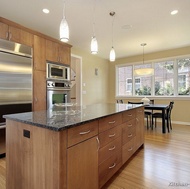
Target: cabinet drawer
point(127, 150)
point(80, 133)
point(109, 167)
point(128, 131)
point(109, 122)
point(140, 111)
point(128, 115)
point(110, 135)
point(109, 150)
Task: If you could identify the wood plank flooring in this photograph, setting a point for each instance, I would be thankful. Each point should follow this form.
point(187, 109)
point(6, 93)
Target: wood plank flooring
point(163, 163)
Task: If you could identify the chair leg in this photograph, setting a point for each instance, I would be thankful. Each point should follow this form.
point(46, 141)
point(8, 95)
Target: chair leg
point(147, 122)
point(150, 121)
point(170, 124)
point(155, 122)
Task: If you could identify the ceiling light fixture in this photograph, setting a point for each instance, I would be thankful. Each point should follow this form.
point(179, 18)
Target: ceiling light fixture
point(94, 42)
point(112, 52)
point(144, 71)
point(46, 11)
point(174, 12)
point(64, 28)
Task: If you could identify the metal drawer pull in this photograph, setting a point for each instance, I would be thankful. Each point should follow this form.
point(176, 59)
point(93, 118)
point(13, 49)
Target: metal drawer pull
point(130, 135)
point(130, 149)
point(98, 141)
point(130, 115)
point(83, 133)
point(130, 125)
point(111, 167)
point(137, 119)
point(110, 149)
point(111, 122)
point(112, 135)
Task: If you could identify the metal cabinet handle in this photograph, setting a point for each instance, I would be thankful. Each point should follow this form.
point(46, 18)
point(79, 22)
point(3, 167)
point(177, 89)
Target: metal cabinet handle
point(10, 35)
point(129, 136)
point(7, 35)
point(83, 133)
point(137, 119)
point(111, 135)
point(98, 141)
point(129, 115)
point(111, 122)
point(110, 149)
point(130, 149)
point(129, 125)
point(111, 167)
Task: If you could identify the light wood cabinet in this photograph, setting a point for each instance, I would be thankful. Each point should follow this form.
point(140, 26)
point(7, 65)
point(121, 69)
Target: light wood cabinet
point(39, 90)
point(39, 74)
point(139, 139)
point(15, 34)
point(56, 52)
point(82, 165)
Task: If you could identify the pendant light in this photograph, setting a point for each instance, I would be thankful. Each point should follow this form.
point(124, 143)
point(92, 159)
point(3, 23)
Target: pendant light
point(64, 28)
point(94, 42)
point(112, 52)
point(144, 71)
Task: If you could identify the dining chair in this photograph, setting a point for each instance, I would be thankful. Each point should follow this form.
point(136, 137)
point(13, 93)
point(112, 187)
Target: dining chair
point(120, 101)
point(146, 113)
point(167, 116)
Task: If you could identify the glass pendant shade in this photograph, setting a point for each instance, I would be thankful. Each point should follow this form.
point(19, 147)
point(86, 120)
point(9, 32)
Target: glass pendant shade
point(112, 55)
point(64, 30)
point(144, 72)
point(94, 45)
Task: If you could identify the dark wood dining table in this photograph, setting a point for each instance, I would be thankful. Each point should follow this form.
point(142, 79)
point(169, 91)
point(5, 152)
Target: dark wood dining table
point(163, 108)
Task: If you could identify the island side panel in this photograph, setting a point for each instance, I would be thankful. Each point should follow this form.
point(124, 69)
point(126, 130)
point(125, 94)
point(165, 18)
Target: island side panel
point(34, 162)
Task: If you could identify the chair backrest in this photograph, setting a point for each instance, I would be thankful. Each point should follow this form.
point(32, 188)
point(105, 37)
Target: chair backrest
point(170, 108)
point(120, 101)
point(129, 102)
point(152, 101)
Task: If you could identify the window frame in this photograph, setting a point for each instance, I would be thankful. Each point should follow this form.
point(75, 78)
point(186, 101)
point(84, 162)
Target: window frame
point(152, 62)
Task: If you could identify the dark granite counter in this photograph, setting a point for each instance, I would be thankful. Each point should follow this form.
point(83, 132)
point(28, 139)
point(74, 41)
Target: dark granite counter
point(60, 117)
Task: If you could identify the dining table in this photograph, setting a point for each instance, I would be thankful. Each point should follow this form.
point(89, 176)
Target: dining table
point(161, 107)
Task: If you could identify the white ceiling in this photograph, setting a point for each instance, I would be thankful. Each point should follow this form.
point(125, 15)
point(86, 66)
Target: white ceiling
point(150, 22)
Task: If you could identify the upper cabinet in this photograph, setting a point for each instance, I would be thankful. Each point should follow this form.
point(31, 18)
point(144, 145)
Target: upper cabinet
point(15, 34)
point(57, 52)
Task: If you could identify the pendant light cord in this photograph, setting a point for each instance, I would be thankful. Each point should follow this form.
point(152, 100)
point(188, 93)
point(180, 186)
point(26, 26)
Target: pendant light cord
point(64, 13)
point(113, 15)
point(93, 25)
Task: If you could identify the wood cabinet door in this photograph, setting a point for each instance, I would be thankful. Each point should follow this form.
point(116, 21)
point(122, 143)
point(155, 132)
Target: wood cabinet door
point(52, 51)
point(14, 34)
point(39, 56)
point(139, 131)
point(82, 165)
point(26, 38)
point(39, 90)
point(64, 54)
point(4, 30)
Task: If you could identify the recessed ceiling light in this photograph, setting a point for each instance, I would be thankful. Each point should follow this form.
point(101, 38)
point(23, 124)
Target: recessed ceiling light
point(174, 12)
point(46, 11)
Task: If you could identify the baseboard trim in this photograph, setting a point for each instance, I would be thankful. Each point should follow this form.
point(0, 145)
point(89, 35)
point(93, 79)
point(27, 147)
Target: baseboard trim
point(176, 122)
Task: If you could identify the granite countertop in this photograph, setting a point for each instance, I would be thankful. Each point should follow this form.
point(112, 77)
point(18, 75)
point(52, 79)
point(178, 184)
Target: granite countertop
point(60, 117)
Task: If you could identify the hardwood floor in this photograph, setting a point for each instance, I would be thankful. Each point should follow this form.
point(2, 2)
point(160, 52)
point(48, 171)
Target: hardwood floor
point(164, 162)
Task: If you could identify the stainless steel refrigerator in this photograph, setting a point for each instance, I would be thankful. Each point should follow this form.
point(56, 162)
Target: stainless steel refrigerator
point(15, 82)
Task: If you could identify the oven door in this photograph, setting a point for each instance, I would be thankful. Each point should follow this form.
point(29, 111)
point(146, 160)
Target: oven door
point(57, 96)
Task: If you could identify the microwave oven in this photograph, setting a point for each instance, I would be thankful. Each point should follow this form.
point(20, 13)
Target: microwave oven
point(57, 72)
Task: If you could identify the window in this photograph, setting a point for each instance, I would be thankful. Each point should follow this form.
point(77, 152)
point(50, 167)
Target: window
point(171, 78)
point(143, 84)
point(183, 76)
point(164, 78)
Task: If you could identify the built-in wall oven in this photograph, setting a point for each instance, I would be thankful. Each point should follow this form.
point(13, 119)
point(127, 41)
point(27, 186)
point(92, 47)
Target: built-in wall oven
point(57, 92)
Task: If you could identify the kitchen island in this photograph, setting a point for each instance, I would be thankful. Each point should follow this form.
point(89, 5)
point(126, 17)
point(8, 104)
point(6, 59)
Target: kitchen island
point(71, 147)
